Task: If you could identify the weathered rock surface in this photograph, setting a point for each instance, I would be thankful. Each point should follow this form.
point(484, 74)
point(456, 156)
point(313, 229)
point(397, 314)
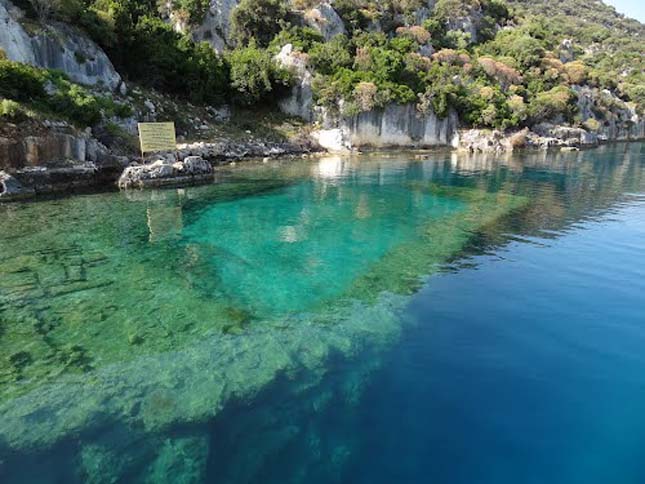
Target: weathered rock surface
point(612, 118)
point(227, 150)
point(542, 136)
point(400, 125)
point(334, 140)
point(68, 177)
point(11, 188)
point(50, 146)
point(215, 28)
point(192, 170)
point(56, 46)
point(325, 20)
point(300, 101)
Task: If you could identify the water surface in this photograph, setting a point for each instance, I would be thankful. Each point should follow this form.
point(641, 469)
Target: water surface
point(380, 318)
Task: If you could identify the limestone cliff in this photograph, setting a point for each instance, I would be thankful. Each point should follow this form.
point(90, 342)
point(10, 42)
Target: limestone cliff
point(56, 46)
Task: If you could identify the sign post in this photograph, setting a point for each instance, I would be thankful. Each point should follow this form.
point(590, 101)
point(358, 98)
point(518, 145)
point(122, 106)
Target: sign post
point(155, 137)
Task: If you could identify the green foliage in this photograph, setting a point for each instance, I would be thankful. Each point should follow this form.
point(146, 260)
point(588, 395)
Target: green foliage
point(327, 58)
point(303, 39)
point(21, 82)
point(26, 84)
point(501, 77)
point(159, 57)
point(557, 103)
point(518, 44)
point(261, 20)
point(11, 110)
point(254, 75)
point(195, 9)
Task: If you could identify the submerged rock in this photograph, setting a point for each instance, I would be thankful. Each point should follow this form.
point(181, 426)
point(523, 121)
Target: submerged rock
point(193, 169)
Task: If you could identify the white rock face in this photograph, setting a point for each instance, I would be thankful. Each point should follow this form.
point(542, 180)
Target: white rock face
point(300, 101)
point(216, 26)
point(325, 20)
point(400, 125)
point(335, 140)
point(13, 38)
point(57, 46)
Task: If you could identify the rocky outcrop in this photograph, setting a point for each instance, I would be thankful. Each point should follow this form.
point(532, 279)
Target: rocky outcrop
point(395, 125)
point(545, 135)
point(607, 116)
point(63, 178)
point(325, 20)
point(161, 173)
point(14, 40)
point(400, 125)
point(45, 146)
point(227, 150)
point(300, 100)
point(215, 28)
point(56, 46)
point(335, 140)
point(12, 189)
point(39, 158)
point(541, 136)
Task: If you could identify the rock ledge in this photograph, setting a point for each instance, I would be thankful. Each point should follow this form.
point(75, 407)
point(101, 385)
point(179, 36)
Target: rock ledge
point(162, 173)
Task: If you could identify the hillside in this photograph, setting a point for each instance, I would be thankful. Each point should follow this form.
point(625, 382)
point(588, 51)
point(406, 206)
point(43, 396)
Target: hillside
point(399, 72)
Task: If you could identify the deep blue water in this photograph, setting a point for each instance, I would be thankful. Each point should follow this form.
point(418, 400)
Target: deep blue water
point(527, 368)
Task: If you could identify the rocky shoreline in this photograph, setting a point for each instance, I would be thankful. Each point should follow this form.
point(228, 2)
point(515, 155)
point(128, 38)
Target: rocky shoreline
point(192, 164)
point(197, 163)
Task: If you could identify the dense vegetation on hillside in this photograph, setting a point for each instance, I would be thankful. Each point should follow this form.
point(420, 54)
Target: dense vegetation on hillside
point(496, 64)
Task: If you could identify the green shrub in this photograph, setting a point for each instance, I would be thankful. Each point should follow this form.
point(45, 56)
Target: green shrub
point(261, 20)
point(303, 39)
point(558, 102)
point(527, 50)
point(328, 57)
point(162, 59)
point(255, 77)
point(195, 9)
point(11, 110)
point(21, 82)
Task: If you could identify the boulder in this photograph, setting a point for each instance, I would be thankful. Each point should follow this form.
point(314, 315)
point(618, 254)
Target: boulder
point(192, 170)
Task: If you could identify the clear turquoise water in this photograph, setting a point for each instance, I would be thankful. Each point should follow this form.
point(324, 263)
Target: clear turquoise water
point(376, 319)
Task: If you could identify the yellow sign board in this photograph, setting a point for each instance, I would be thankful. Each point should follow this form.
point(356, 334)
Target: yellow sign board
point(157, 137)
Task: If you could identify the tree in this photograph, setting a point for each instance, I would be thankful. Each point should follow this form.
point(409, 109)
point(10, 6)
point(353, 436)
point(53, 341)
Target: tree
point(45, 8)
